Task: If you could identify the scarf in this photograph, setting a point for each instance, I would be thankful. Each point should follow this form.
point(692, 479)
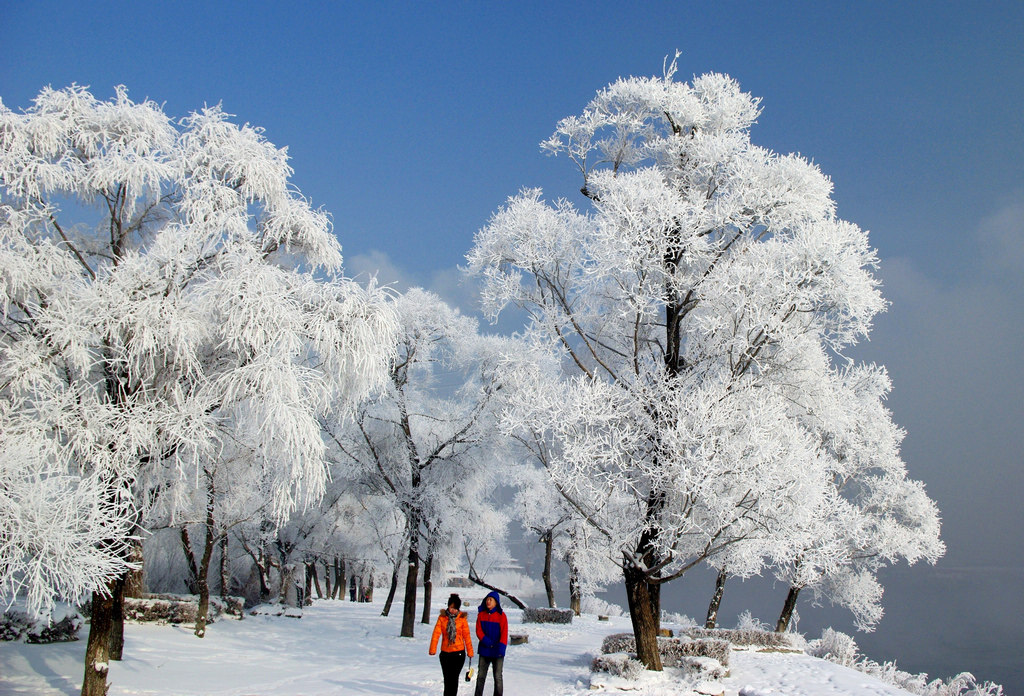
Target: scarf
point(452, 628)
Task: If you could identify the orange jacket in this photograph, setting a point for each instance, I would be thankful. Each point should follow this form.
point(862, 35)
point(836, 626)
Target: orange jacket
point(462, 639)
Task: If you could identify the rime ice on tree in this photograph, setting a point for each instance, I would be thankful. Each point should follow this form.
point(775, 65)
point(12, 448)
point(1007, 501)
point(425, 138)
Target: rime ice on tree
point(697, 304)
point(158, 303)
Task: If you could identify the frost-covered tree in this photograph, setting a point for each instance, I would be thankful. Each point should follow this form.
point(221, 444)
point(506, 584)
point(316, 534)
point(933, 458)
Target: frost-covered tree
point(705, 280)
point(422, 442)
point(544, 511)
point(872, 515)
point(869, 516)
point(203, 509)
point(157, 298)
point(61, 531)
point(540, 510)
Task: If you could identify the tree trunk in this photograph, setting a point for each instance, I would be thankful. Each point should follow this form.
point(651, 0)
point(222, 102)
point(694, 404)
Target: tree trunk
point(289, 594)
point(547, 538)
point(97, 651)
point(575, 591)
point(135, 585)
point(411, 580)
point(339, 578)
point(479, 581)
point(311, 573)
point(225, 581)
point(260, 561)
point(117, 619)
point(787, 609)
point(716, 599)
point(391, 591)
point(328, 590)
point(642, 613)
point(190, 558)
point(203, 579)
point(130, 585)
point(428, 589)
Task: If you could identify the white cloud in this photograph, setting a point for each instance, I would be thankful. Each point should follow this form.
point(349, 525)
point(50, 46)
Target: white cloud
point(450, 284)
point(377, 264)
point(1001, 236)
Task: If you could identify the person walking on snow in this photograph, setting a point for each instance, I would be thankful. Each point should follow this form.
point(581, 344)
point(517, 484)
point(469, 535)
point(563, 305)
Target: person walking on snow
point(453, 628)
point(492, 630)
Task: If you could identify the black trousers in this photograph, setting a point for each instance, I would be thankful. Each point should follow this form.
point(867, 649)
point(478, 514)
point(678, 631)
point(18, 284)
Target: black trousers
point(496, 663)
point(451, 666)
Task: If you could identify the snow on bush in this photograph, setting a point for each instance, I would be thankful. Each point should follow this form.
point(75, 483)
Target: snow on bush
point(747, 637)
point(544, 615)
point(595, 605)
point(179, 608)
point(697, 668)
point(673, 650)
point(19, 623)
point(626, 666)
point(682, 620)
point(842, 649)
point(834, 646)
point(747, 622)
point(618, 642)
point(620, 664)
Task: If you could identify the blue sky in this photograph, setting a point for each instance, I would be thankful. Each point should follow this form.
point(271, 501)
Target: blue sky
point(412, 122)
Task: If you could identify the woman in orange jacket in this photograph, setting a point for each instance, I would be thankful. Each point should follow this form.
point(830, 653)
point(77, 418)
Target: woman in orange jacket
point(453, 628)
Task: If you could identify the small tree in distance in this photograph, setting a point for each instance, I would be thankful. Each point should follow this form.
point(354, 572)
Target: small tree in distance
point(422, 443)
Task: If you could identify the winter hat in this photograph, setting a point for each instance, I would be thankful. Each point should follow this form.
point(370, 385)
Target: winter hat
point(455, 601)
point(497, 602)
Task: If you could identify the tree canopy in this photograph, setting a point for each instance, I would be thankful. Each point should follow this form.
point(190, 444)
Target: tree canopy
point(697, 302)
point(165, 292)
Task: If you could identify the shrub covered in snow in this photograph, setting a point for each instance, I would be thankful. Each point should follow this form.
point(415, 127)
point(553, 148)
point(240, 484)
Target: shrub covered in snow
point(179, 608)
point(747, 622)
point(748, 637)
point(703, 668)
point(673, 650)
point(681, 620)
point(834, 646)
point(62, 625)
point(842, 649)
point(544, 615)
point(619, 664)
point(618, 642)
point(595, 605)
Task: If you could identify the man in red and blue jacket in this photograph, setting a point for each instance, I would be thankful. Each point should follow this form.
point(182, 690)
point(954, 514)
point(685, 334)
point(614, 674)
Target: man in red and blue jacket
point(492, 630)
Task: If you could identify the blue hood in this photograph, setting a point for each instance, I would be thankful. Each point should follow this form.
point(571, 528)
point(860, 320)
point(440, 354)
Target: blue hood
point(497, 599)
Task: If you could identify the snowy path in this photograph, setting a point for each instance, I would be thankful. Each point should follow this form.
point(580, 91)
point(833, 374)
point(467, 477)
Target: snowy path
point(343, 648)
point(781, 674)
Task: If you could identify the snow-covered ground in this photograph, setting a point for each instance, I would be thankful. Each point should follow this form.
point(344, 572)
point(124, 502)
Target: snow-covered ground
point(344, 648)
